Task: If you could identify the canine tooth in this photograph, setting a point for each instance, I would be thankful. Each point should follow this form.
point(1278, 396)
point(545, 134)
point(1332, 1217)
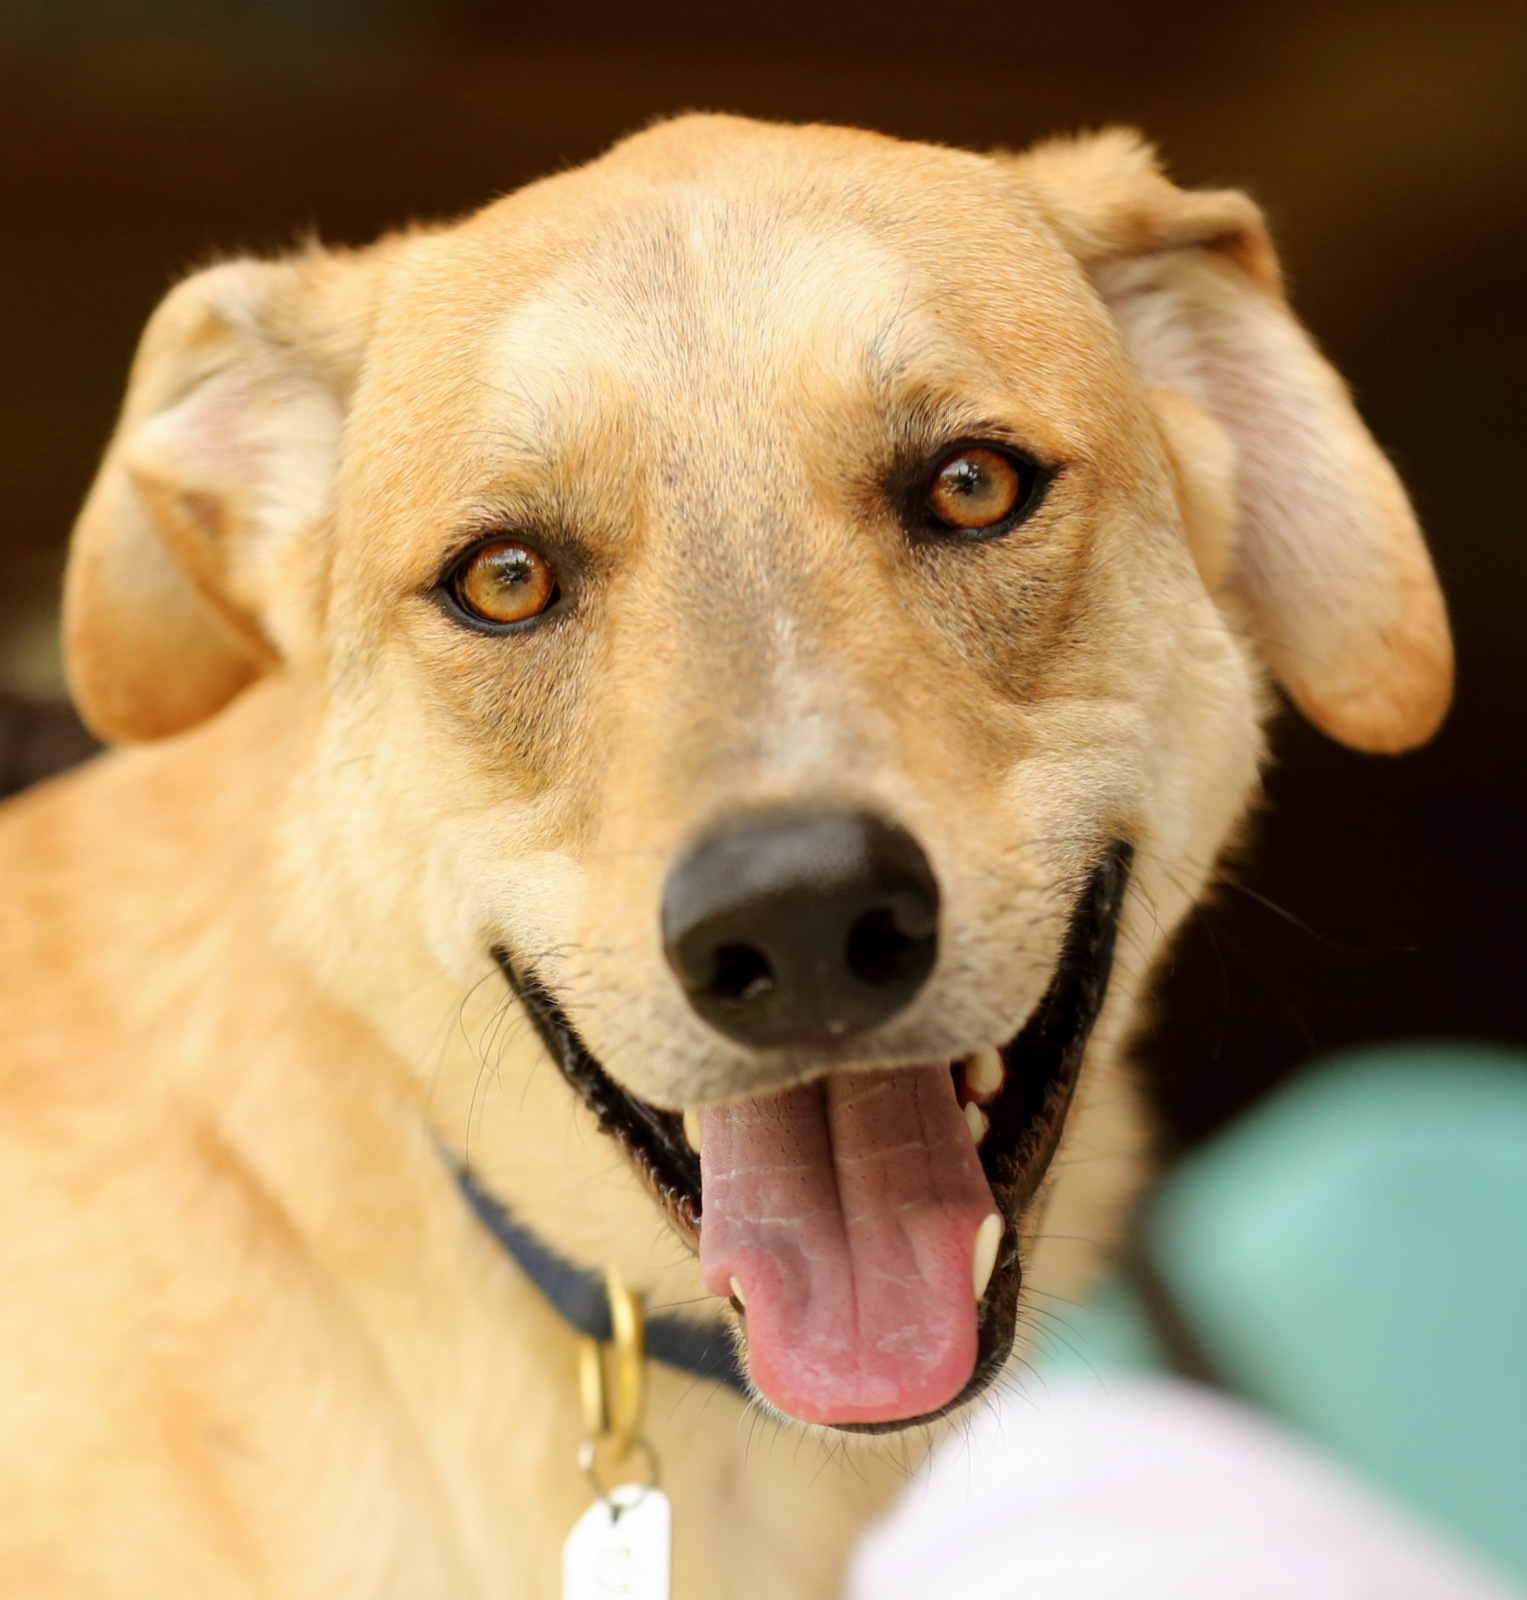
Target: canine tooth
point(988, 1237)
point(738, 1296)
point(692, 1128)
point(984, 1073)
point(976, 1120)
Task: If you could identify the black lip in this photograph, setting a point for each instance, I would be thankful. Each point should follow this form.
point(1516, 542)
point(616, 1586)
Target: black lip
point(1027, 1117)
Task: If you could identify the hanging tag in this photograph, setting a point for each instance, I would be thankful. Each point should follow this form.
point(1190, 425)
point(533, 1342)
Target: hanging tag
point(621, 1548)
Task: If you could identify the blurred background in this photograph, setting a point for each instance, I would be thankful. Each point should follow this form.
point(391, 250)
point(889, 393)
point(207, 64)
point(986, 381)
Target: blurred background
point(1387, 140)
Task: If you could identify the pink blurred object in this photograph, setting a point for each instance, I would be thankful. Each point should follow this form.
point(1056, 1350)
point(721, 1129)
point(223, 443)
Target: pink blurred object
point(1132, 1487)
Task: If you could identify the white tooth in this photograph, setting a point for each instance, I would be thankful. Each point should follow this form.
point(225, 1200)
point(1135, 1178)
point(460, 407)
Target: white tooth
point(984, 1073)
point(976, 1120)
point(738, 1296)
point(988, 1237)
point(692, 1128)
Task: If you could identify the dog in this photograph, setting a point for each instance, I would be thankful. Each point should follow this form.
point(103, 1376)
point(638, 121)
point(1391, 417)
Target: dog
point(661, 729)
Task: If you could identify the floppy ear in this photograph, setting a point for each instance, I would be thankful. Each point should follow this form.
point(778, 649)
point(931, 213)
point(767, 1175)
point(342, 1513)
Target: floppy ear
point(192, 569)
point(1296, 518)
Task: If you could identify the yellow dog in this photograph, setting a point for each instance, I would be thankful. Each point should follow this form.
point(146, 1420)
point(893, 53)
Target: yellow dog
point(665, 727)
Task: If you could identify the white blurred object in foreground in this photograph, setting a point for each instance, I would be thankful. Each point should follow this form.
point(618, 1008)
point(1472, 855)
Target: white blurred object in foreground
point(1138, 1487)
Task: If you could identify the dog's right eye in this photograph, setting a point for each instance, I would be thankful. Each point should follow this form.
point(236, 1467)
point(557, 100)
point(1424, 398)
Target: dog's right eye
point(504, 583)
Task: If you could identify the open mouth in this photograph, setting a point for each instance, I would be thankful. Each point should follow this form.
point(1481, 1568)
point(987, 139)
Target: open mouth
point(1011, 1101)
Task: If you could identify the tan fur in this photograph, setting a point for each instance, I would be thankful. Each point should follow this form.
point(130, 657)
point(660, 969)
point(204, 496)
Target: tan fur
point(252, 1344)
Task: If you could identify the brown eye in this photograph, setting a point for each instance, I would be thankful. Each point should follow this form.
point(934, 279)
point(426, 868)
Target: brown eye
point(975, 488)
point(505, 583)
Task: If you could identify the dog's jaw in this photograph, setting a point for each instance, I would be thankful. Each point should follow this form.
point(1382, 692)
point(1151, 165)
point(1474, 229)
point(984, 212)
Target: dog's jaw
point(1025, 1117)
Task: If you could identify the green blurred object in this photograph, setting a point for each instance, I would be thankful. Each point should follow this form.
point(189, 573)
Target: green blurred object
point(1352, 1255)
point(1109, 1332)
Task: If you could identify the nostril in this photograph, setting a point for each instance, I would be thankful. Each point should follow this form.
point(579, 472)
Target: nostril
point(881, 955)
point(741, 974)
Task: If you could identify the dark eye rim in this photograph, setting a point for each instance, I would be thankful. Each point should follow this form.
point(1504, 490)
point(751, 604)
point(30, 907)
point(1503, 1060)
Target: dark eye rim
point(927, 527)
point(446, 596)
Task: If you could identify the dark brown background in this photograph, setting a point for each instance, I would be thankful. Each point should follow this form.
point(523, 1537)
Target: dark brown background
point(1387, 140)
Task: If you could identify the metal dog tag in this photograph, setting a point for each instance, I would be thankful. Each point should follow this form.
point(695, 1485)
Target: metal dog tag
point(621, 1548)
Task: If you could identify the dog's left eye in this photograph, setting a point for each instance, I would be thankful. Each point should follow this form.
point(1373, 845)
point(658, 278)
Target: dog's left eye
point(504, 583)
point(976, 487)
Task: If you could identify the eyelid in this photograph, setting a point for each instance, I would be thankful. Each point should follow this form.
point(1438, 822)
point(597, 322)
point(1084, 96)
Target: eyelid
point(1011, 449)
point(471, 545)
point(569, 556)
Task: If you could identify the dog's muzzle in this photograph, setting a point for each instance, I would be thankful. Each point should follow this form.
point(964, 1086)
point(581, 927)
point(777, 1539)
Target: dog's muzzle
point(1024, 1118)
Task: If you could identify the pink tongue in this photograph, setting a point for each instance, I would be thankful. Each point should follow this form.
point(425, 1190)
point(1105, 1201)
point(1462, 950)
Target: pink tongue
point(847, 1210)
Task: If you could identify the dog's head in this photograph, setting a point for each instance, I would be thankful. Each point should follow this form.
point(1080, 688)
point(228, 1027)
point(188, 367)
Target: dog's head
point(786, 597)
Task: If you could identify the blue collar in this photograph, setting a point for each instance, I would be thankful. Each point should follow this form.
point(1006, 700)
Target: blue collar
point(580, 1300)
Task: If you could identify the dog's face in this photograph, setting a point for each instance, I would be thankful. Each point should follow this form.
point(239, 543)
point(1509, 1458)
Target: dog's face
point(786, 598)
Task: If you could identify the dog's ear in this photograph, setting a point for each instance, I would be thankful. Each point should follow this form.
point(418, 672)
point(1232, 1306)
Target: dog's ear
point(193, 568)
point(1296, 518)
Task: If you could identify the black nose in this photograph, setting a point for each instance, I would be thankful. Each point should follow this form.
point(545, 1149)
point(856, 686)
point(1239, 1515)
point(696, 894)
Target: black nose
point(801, 926)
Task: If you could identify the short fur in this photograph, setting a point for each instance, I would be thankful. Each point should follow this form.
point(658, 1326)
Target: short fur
point(252, 1343)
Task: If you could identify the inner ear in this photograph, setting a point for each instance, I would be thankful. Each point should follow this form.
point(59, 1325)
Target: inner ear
point(192, 527)
point(146, 656)
point(1324, 562)
point(1202, 458)
point(234, 474)
point(189, 575)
